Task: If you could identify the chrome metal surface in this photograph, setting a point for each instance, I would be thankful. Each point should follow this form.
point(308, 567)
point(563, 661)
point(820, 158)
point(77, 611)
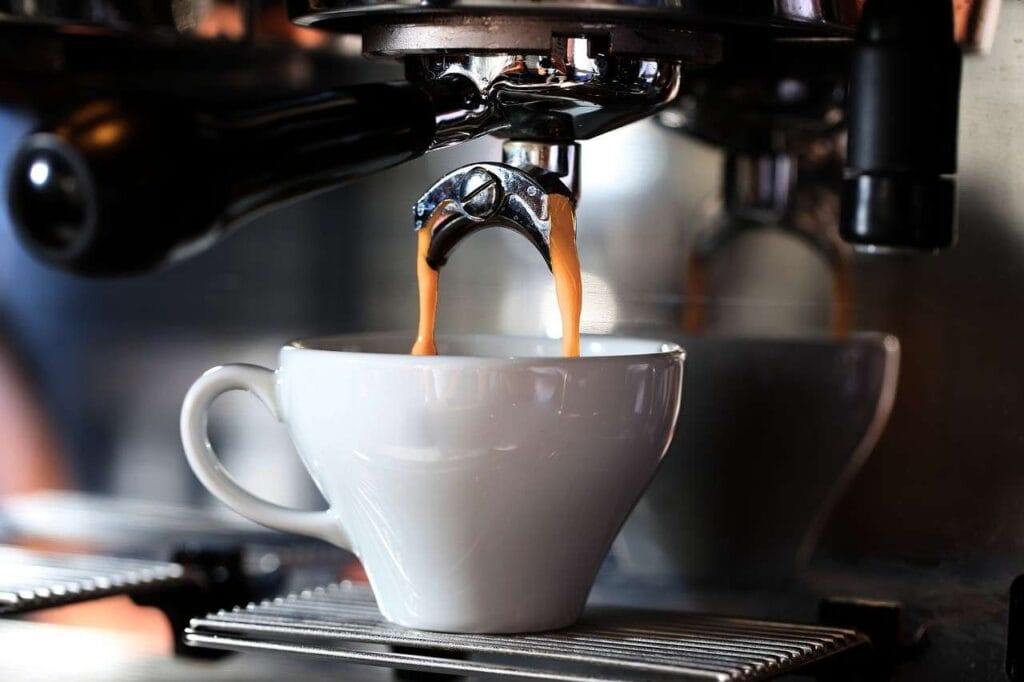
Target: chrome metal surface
point(342, 621)
point(758, 187)
point(467, 116)
point(837, 17)
point(35, 580)
point(538, 157)
point(483, 195)
point(566, 91)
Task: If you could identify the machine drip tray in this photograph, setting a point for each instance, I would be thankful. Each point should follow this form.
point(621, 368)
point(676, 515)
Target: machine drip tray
point(36, 580)
point(341, 621)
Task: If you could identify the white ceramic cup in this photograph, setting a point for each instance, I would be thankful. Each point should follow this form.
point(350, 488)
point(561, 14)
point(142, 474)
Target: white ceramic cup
point(482, 487)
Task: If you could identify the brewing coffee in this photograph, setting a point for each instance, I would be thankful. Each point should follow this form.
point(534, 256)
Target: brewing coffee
point(565, 268)
point(427, 278)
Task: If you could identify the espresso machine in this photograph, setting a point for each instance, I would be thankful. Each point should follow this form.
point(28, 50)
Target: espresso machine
point(146, 133)
point(543, 79)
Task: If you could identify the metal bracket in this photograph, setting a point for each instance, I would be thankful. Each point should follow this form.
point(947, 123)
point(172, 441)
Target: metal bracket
point(483, 195)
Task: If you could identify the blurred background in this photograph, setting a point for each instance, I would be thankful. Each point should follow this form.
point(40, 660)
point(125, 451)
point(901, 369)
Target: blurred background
point(92, 372)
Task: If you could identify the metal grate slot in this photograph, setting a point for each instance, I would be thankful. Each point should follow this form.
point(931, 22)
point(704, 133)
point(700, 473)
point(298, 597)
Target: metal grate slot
point(105, 521)
point(35, 580)
point(343, 622)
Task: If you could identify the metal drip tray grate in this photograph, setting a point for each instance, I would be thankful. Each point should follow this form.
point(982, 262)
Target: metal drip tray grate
point(342, 622)
point(128, 524)
point(35, 580)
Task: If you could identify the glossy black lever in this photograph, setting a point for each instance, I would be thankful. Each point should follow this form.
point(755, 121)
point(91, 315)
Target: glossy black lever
point(117, 185)
point(147, 147)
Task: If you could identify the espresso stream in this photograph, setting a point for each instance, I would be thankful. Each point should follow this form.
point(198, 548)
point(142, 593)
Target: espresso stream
point(565, 268)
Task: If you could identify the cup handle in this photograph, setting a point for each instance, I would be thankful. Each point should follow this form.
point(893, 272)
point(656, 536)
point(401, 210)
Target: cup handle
point(262, 382)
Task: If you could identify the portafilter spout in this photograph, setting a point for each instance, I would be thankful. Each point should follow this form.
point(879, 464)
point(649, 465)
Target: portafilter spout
point(482, 195)
point(513, 194)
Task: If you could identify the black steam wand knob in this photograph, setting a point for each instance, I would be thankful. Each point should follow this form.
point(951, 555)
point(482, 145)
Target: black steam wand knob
point(899, 191)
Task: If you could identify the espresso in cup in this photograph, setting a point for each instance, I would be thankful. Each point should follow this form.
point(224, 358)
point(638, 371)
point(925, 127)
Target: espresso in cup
point(481, 487)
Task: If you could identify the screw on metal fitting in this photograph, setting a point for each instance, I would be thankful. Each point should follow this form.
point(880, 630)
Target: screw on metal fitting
point(481, 194)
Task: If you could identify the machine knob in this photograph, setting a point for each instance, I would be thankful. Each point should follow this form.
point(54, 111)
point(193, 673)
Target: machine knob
point(51, 195)
point(107, 191)
point(900, 186)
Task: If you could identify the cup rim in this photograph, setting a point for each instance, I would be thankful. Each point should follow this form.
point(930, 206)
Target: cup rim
point(669, 349)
